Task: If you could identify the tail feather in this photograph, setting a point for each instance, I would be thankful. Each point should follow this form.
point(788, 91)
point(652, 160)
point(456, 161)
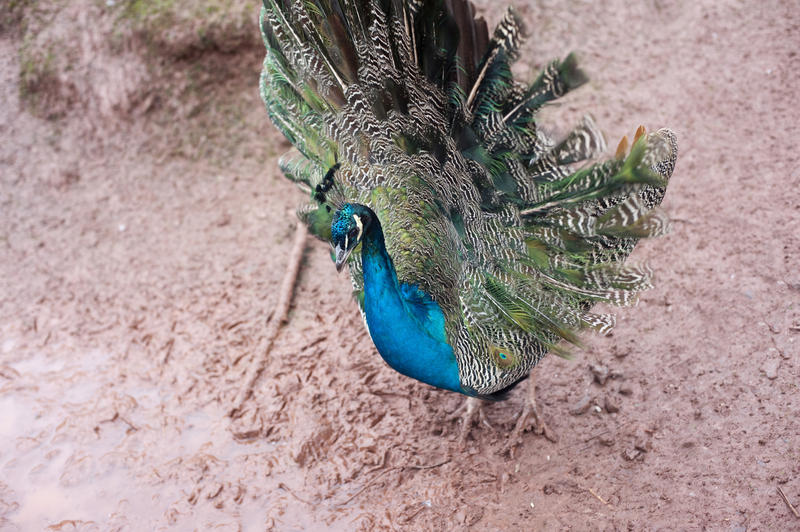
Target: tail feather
point(584, 142)
point(558, 78)
point(581, 231)
point(395, 88)
point(510, 34)
point(632, 218)
point(608, 179)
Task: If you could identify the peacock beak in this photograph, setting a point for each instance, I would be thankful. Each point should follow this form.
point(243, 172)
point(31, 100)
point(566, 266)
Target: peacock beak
point(341, 257)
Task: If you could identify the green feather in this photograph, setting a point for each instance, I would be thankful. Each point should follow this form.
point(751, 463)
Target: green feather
point(411, 108)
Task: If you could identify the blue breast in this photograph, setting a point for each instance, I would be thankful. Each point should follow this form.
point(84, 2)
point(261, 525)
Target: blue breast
point(406, 324)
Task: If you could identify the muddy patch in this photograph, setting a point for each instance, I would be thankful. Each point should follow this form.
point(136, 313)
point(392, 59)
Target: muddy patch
point(141, 251)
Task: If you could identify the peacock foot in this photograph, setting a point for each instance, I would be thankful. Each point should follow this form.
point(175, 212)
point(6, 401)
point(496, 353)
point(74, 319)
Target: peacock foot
point(530, 417)
point(470, 412)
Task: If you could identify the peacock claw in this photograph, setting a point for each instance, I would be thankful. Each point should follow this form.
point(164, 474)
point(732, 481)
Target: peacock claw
point(530, 410)
point(467, 413)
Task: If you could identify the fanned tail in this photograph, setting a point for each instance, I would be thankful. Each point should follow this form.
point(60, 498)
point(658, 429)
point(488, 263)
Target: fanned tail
point(578, 234)
point(414, 97)
point(348, 80)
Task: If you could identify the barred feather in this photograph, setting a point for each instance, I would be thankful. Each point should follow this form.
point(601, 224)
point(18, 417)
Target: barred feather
point(417, 107)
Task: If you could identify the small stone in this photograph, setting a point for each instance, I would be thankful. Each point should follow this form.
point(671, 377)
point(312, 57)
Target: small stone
point(607, 441)
point(631, 454)
point(611, 405)
point(770, 368)
point(582, 406)
point(642, 446)
point(625, 389)
point(600, 373)
point(549, 489)
point(781, 349)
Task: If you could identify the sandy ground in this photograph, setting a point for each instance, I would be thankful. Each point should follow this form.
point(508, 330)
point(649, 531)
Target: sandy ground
point(136, 280)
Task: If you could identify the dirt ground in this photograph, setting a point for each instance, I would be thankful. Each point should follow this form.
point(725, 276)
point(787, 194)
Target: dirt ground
point(142, 246)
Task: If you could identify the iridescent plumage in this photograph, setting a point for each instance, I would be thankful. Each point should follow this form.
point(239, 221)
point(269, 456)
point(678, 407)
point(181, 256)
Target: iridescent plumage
point(496, 240)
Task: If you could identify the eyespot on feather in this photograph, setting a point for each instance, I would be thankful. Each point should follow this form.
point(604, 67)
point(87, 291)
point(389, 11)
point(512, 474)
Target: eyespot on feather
point(503, 358)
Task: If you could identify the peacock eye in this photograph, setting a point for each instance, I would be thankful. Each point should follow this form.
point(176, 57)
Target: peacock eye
point(353, 234)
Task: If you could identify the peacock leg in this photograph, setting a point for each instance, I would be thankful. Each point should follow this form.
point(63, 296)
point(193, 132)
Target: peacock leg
point(468, 413)
point(530, 416)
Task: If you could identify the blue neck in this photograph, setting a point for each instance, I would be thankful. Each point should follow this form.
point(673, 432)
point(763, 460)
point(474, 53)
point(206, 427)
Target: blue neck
point(406, 325)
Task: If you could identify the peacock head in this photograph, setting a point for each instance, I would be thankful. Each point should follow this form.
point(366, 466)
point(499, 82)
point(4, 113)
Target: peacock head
point(350, 224)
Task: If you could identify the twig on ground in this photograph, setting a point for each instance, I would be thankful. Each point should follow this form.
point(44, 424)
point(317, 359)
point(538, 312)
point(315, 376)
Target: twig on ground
point(131, 426)
point(615, 429)
point(408, 519)
point(260, 354)
point(432, 466)
point(168, 347)
point(368, 484)
point(786, 500)
point(283, 486)
point(598, 497)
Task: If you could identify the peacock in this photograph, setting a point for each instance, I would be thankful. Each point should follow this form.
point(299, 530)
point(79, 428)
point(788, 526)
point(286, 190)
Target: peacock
point(475, 242)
